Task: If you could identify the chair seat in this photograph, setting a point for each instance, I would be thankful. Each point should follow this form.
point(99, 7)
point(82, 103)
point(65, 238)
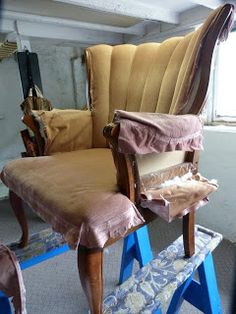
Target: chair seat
point(76, 192)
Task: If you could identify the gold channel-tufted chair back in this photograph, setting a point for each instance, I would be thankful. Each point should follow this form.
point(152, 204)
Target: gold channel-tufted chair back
point(169, 77)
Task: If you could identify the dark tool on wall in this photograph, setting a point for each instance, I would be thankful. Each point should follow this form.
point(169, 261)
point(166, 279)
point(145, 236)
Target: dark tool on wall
point(33, 98)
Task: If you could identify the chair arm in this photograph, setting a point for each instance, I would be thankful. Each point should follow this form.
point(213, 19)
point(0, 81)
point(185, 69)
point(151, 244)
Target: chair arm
point(128, 178)
point(61, 130)
point(143, 133)
point(34, 145)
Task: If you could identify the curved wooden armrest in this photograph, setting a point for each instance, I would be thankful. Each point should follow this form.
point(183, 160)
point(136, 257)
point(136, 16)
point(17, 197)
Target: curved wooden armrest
point(111, 133)
point(126, 165)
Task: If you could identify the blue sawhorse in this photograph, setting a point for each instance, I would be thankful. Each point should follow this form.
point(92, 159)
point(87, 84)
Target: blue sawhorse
point(203, 295)
point(136, 246)
point(5, 307)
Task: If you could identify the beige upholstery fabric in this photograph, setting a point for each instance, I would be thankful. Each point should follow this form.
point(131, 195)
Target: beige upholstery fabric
point(76, 193)
point(65, 130)
point(175, 191)
point(178, 199)
point(154, 162)
point(151, 77)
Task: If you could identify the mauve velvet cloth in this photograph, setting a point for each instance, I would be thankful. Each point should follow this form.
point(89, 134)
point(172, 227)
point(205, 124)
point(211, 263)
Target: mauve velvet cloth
point(143, 133)
point(11, 281)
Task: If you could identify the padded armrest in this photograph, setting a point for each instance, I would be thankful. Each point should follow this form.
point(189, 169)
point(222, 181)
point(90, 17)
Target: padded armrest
point(143, 133)
point(65, 130)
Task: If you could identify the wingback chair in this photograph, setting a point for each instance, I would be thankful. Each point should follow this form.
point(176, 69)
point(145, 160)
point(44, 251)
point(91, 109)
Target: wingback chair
point(74, 185)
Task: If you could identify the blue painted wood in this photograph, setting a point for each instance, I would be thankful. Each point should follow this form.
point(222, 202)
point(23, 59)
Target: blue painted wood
point(143, 247)
point(169, 273)
point(43, 257)
point(136, 246)
point(128, 256)
point(203, 295)
point(207, 278)
point(5, 307)
point(195, 295)
point(177, 298)
point(39, 244)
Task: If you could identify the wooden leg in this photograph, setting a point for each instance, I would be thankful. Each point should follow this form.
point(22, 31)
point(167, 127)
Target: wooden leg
point(19, 212)
point(188, 234)
point(90, 264)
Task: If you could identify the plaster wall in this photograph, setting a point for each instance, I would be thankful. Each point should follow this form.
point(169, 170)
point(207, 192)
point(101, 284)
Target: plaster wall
point(218, 161)
point(63, 84)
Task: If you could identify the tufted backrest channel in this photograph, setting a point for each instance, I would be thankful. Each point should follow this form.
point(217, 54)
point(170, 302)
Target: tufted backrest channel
point(151, 77)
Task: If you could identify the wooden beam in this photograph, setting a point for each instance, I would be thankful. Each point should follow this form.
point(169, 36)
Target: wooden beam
point(130, 8)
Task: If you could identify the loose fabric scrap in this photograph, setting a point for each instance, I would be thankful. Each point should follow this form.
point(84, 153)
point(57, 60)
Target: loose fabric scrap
point(11, 280)
point(178, 196)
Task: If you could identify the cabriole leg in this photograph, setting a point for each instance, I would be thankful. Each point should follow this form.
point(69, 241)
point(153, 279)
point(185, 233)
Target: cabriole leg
point(90, 264)
point(19, 212)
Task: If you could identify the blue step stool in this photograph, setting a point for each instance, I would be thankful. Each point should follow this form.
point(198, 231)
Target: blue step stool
point(168, 279)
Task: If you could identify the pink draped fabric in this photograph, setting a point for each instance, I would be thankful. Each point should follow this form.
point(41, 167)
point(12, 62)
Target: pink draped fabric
point(11, 280)
point(143, 133)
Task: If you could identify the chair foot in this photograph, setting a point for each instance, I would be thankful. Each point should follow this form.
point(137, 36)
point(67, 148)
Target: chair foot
point(90, 264)
point(19, 212)
point(188, 234)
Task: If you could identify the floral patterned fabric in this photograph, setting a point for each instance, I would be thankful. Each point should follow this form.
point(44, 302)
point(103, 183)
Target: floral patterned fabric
point(153, 286)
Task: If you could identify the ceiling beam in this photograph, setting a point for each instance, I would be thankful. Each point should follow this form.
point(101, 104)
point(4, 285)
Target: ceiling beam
point(130, 8)
point(65, 33)
point(188, 20)
point(135, 30)
point(212, 4)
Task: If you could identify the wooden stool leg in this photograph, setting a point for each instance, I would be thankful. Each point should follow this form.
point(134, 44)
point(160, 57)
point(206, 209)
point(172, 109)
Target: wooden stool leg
point(19, 212)
point(188, 234)
point(90, 264)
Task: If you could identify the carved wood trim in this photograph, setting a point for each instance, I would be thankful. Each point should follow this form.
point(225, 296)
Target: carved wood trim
point(38, 142)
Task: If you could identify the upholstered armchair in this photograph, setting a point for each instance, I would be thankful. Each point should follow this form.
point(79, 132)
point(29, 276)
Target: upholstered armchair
point(75, 185)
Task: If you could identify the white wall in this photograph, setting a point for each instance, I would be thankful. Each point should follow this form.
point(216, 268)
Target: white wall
point(218, 161)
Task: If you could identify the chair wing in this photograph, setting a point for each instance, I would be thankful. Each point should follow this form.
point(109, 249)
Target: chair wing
point(169, 77)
